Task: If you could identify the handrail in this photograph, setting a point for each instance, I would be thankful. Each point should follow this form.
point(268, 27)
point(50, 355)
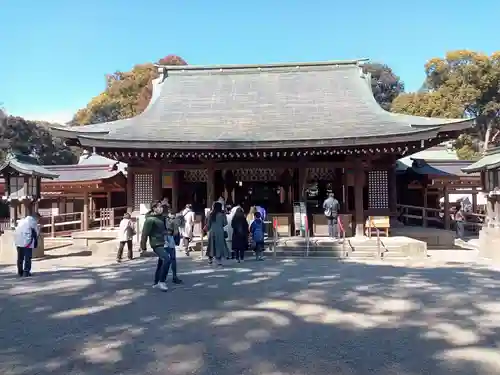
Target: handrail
point(275, 235)
point(372, 225)
point(341, 228)
point(306, 228)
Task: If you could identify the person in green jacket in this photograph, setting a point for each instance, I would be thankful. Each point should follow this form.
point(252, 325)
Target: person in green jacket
point(155, 231)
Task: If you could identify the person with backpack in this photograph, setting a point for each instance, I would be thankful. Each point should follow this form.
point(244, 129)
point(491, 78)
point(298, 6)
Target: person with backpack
point(155, 231)
point(171, 224)
point(331, 208)
point(257, 233)
point(186, 227)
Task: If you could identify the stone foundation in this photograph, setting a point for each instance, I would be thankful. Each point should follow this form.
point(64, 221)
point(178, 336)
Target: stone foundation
point(489, 243)
point(8, 252)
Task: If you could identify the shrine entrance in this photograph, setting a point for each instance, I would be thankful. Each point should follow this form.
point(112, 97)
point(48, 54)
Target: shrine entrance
point(193, 190)
point(266, 187)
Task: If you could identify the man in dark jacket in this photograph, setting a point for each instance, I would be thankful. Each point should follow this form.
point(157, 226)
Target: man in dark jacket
point(331, 208)
point(155, 231)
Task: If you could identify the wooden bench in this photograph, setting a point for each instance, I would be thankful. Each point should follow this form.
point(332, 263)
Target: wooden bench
point(382, 223)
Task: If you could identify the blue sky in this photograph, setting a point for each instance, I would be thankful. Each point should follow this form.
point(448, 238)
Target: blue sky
point(55, 53)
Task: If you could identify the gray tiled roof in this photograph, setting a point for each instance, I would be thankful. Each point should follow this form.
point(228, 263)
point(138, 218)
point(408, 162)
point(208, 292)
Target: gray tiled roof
point(81, 173)
point(491, 160)
point(98, 160)
point(249, 106)
point(442, 168)
point(26, 165)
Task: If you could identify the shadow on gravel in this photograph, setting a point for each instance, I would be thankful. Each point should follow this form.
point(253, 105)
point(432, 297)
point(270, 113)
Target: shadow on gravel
point(312, 316)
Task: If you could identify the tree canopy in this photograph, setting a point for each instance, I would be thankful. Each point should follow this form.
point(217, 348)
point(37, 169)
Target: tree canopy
point(127, 94)
point(463, 84)
point(32, 137)
point(386, 85)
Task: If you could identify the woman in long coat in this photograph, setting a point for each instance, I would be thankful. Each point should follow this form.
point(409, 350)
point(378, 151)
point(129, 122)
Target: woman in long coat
point(239, 241)
point(217, 247)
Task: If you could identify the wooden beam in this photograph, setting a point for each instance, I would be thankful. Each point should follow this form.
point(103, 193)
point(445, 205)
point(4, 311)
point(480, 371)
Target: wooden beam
point(446, 209)
point(210, 184)
point(86, 211)
point(358, 200)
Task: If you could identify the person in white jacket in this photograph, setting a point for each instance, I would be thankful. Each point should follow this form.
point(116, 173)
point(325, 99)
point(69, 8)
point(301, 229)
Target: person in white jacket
point(26, 239)
point(126, 232)
point(186, 229)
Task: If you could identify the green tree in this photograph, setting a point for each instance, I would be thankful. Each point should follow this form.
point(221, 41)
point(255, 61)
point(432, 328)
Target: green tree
point(127, 94)
point(31, 137)
point(462, 84)
point(386, 85)
point(473, 79)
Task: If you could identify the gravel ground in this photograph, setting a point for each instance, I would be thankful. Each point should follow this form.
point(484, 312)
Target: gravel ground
point(80, 315)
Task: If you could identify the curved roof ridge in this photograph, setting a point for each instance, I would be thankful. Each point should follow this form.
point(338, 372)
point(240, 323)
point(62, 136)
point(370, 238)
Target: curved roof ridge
point(264, 65)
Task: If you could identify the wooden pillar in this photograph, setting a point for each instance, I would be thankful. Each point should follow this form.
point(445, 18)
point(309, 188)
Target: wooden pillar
point(130, 190)
point(474, 200)
point(86, 211)
point(426, 205)
point(157, 175)
point(447, 223)
point(302, 182)
point(175, 191)
point(210, 185)
point(108, 199)
point(13, 213)
point(497, 213)
point(359, 179)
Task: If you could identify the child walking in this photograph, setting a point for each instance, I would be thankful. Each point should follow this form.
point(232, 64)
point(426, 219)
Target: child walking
point(257, 233)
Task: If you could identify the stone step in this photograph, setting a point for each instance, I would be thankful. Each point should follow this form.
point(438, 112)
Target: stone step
point(366, 253)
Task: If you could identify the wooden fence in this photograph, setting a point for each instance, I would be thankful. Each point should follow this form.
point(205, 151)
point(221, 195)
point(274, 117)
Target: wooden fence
point(426, 216)
point(65, 224)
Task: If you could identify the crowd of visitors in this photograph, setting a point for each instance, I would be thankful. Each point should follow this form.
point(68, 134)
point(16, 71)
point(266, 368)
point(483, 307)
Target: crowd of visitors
point(230, 234)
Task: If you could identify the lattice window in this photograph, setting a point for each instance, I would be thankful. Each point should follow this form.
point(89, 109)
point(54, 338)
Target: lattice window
point(378, 189)
point(320, 174)
point(256, 174)
point(196, 175)
point(143, 189)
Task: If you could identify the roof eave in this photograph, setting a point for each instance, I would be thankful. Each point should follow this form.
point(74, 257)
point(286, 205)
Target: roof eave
point(87, 141)
point(72, 134)
point(482, 168)
point(21, 169)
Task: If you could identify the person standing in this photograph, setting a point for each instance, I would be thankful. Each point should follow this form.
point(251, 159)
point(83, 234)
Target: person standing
point(257, 232)
point(155, 231)
point(460, 221)
point(126, 232)
point(170, 224)
point(229, 232)
point(222, 201)
point(331, 209)
point(239, 225)
point(26, 239)
point(217, 247)
point(186, 228)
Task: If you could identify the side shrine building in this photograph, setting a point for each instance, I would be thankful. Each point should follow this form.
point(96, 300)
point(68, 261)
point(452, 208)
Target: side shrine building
point(270, 134)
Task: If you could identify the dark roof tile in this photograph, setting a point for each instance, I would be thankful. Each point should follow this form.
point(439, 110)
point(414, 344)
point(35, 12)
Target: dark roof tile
point(243, 105)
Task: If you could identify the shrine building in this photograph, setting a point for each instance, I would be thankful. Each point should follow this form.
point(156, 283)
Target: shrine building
point(269, 134)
